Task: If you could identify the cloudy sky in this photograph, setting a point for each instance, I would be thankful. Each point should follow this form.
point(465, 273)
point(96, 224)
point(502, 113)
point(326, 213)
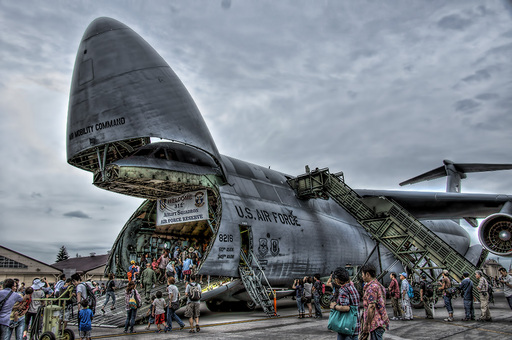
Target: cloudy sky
point(382, 91)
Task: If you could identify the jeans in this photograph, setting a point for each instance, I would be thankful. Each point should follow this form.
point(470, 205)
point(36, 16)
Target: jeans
point(448, 304)
point(509, 299)
point(18, 331)
point(300, 305)
point(112, 295)
point(468, 308)
point(171, 314)
point(347, 337)
point(318, 307)
point(377, 334)
point(130, 319)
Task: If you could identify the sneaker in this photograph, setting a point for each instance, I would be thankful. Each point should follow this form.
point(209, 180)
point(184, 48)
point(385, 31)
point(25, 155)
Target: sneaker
point(182, 326)
point(394, 318)
point(448, 319)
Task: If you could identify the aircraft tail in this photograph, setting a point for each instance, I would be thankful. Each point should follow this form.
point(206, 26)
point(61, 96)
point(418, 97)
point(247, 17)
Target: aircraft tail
point(455, 173)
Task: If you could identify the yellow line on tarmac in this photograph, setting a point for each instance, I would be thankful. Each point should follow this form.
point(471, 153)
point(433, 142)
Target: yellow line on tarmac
point(478, 328)
point(202, 326)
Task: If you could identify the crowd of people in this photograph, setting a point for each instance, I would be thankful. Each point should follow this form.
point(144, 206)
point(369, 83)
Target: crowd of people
point(162, 312)
point(19, 304)
point(178, 261)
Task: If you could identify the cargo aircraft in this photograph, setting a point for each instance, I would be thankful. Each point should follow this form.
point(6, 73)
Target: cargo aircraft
point(124, 96)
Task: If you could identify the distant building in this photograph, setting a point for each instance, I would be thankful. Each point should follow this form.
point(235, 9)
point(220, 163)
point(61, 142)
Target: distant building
point(491, 267)
point(90, 267)
point(16, 265)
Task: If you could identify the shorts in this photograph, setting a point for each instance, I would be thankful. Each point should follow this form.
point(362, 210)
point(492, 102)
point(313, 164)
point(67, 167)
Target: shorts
point(160, 319)
point(192, 310)
point(170, 274)
point(306, 299)
point(186, 272)
point(85, 334)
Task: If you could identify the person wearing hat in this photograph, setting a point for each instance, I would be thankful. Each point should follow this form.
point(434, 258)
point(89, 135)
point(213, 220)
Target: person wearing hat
point(466, 286)
point(38, 293)
point(406, 301)
point(426, 294)
point(132, 271)
point(148, 279)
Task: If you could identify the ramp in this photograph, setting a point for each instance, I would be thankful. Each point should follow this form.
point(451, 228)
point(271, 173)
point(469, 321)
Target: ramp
point(117, 317)
point(411, 242)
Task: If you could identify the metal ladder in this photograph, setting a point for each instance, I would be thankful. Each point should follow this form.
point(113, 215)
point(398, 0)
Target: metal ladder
point(256, 283)
point(411, 242)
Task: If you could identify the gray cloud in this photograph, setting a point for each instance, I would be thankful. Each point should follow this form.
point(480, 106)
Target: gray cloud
point(358, 88)
point(478, 76)
point(77, 214)
point(454, 22)
point(467, 105)
point(487, 96)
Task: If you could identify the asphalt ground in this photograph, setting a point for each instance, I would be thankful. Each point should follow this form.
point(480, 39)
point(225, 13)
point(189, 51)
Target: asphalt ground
point(255, 325)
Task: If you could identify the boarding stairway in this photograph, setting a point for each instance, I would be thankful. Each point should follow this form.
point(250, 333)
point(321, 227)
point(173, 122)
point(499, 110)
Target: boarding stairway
point(256, 282)
point(411, 242)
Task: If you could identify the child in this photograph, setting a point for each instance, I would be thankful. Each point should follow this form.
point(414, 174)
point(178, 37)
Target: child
point(85, 316)
point(159, 312)
point(151, 312)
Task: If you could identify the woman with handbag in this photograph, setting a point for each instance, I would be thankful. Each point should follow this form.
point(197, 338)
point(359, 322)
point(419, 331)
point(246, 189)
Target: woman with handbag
point(344, 316)
point(132, 302)
point(174, 304)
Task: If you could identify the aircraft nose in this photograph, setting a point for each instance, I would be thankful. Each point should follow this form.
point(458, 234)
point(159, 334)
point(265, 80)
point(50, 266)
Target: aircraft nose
point(101, 25)
point(123, 92)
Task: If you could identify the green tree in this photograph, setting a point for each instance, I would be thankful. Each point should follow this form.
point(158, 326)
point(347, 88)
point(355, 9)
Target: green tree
point(62, 255)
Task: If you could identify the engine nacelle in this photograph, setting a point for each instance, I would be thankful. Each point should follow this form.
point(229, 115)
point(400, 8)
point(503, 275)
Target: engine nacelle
point(495, 234)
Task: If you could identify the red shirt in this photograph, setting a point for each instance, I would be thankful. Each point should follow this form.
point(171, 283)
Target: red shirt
point(393, 289)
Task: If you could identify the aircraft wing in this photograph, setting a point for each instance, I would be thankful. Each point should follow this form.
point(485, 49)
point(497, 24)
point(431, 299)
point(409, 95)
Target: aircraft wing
point(443, 205)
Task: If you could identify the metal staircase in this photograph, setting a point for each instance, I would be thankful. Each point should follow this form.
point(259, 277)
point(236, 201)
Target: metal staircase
point(256, 282)
point(411, 242)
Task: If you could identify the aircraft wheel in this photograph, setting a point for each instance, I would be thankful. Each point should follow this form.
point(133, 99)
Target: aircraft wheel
point(47, 336)
point(325, 300)
point(68, 334)
point(215, 305)
point(416, 301)
point(250, 305)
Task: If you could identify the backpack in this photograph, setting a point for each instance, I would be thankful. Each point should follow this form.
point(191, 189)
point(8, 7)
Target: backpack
point(410, 292)
point(133, 303)
point(91, 298)
point(490, 291)
point(194, 292)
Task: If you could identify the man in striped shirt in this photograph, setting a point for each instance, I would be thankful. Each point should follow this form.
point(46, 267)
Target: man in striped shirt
point(347, 296)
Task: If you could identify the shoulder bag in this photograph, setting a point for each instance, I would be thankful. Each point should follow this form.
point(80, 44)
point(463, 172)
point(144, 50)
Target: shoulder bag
point(343, 322)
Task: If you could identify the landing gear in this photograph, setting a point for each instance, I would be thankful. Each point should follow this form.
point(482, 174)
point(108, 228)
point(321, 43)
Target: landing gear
point(230, 306)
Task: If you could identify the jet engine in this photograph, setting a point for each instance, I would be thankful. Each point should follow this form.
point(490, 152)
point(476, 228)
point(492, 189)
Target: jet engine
point(495, 234)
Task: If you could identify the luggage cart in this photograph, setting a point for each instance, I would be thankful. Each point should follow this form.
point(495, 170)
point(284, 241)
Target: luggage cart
point(51, 317)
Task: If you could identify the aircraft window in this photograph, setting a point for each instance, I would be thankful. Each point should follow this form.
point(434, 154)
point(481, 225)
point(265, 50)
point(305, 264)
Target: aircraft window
point(143, 152)
point(160, 154)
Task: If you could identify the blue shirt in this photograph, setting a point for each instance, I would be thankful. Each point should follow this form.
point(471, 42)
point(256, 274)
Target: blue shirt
point(85, 319)
point(467, 289)
point(6, 310)
point(187, 263)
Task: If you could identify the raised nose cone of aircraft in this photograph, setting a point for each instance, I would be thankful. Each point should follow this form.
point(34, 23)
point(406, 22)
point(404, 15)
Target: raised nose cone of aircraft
point(122, 93)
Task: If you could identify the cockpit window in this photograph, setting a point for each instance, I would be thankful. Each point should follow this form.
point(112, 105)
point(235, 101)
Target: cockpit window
point(176, 152)
point(160, 154)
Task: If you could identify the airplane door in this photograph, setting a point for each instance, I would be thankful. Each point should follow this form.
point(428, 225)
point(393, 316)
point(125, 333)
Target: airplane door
point(245, 239)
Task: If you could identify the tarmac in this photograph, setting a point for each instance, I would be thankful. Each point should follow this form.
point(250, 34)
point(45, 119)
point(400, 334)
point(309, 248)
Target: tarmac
point(255, 325)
